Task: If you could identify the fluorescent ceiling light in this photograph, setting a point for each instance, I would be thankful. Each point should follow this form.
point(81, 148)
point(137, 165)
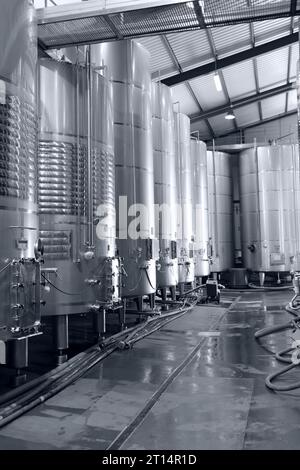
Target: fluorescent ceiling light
point(230, 115)
point(218, 82)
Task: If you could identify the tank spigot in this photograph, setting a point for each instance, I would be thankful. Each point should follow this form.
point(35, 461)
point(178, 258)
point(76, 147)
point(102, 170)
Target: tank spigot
point(93, 282)
point(18, 307)
point(251, 248)
point(89, 255)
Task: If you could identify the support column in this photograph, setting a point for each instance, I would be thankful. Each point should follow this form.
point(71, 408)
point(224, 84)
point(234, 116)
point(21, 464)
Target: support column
point(61, 337)
point(99, 324)
point(17, 359)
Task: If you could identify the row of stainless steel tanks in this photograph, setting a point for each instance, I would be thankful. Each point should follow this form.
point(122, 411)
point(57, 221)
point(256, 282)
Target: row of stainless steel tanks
point(113, 199)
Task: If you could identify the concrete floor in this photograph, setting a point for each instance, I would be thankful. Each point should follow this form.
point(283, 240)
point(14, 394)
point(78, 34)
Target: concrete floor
point(196, 384)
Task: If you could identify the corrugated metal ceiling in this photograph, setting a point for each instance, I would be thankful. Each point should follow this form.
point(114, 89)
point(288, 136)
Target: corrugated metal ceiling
point(247, 115)
point(181, 94)
point(205, 90)
point(272, 67)
point(240, 79)
point(192, 48)
point(273, 106)
point(230, 38)
point(221, 125)
point(292, 100)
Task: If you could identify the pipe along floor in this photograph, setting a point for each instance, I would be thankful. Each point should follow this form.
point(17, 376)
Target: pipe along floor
point(196, 384)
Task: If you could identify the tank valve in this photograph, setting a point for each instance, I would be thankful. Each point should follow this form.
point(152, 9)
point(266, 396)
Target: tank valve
point(251, 248)
point(89, 255)
point(18, 307)
point(93, 282)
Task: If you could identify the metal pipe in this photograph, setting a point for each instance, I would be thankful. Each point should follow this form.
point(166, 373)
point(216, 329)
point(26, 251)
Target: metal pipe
point(90, 200)
point(258, 197)
point(216, 234)
point(78, 225)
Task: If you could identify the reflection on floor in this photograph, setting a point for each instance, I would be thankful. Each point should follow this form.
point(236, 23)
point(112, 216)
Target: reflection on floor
point(218, 401)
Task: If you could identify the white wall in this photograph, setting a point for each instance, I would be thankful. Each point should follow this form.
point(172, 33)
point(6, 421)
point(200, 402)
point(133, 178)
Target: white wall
point(266, 132)
point(274, 130)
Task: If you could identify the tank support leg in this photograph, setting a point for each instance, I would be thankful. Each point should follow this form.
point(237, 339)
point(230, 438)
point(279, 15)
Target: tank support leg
point(173, 292)
point(122, 315)
point(164, 294)
point(262, 278)
point(139, 304)
point(99, 321)
point(17, 358)
point(152, 301)
point(61, 337)
point(181, 288)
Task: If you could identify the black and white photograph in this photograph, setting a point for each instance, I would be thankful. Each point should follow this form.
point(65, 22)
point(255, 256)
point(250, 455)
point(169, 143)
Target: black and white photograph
point(149, 231)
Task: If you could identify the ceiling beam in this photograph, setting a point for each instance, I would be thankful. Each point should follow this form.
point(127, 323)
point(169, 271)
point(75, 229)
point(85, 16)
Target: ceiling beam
point(243, 102)
point(255, 69)
point(231, 60)
point(172, 54)
point(258, 123)
point(293, 7)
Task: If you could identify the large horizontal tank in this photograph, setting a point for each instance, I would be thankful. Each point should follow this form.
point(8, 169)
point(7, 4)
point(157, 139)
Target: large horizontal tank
point(128, 65)
point(270, 204)
point(76, 176)
point(220, 211)
point(165, 185)
point(184, 172)
point(200, 208)
point(19, 267)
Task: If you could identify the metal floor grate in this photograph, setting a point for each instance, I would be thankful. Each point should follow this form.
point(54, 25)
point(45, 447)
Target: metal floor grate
point(77, 24)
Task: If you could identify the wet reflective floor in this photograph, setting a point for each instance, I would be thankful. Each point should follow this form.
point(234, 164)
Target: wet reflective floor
point(196, 384)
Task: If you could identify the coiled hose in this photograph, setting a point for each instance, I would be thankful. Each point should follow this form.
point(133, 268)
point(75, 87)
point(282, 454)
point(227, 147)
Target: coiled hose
point(280, 356)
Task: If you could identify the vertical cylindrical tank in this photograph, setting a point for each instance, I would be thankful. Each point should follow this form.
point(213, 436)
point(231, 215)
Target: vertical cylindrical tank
point(184, 172)
point(220, 211)
point(19, 280)
point(165, 189)
point(128, 65)
point(78, 263)
point(200, 207)
point(270, 195)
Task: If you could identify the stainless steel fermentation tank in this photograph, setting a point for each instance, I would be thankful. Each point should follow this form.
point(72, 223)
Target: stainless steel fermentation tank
point(270, 208)
point(19, 250)
point(220, 211)
point(129, 68)
point(165, 188)
point(200, 208)
point(184, 172)
point(76, 177)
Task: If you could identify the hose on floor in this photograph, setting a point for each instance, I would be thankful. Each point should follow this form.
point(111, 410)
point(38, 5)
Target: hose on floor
point(284, 355)
point(282, 388)
point(269, 289)
point(27, 397)
point(291, 325)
